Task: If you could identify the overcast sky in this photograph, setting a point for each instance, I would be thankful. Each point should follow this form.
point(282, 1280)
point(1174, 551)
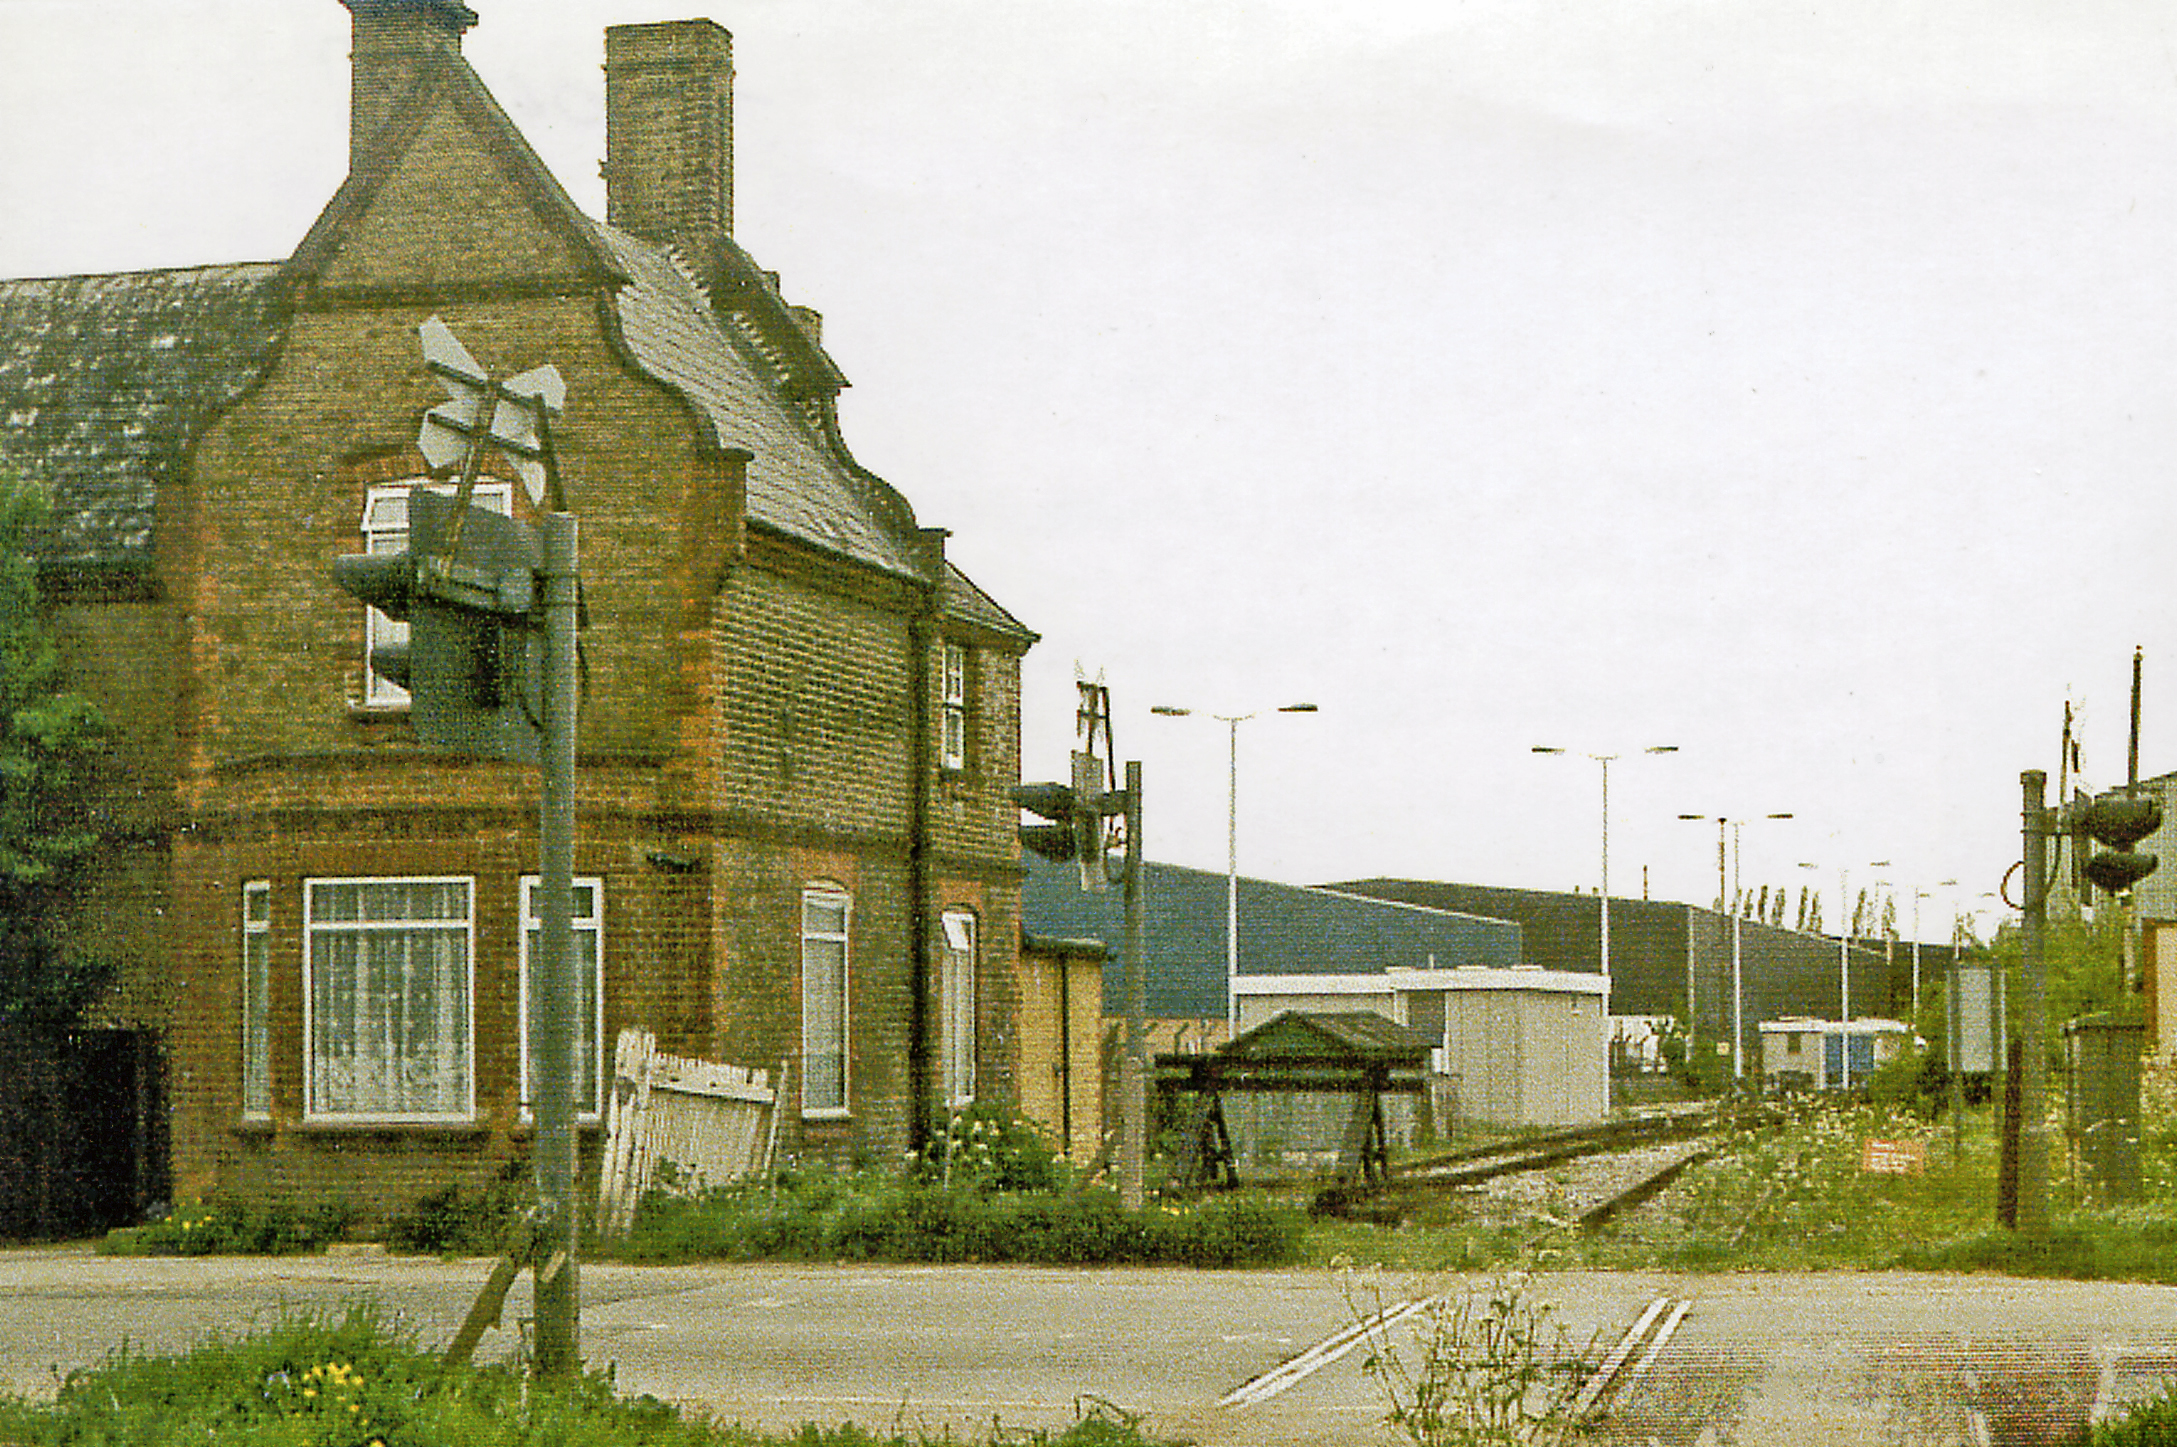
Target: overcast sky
point(1790, 384)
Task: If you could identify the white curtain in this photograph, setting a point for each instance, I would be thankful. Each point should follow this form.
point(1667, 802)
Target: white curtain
point(389, 998)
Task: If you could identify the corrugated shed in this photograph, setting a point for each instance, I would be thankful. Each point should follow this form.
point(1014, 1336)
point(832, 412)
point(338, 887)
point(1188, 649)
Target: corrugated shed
point(105, 379)
point(1284, 930)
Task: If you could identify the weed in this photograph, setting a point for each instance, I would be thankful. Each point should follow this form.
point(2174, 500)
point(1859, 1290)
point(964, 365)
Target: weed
point(991, 1148)
point(2147, 1424)
point(1489, 1367)
point(232, 1228)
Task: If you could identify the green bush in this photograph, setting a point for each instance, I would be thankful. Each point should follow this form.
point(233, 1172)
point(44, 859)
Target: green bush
point(455, 1221)
point(2149, 1424)
point(868, 1217)
point(991, 1148)
point(232, 1228)
point(1914, 1082)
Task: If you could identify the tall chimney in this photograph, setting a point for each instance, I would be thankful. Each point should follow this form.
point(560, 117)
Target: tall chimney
point(669, 130)
point(392, 41)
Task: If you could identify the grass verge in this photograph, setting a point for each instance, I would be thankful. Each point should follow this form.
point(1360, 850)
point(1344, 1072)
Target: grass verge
point(355, 1380)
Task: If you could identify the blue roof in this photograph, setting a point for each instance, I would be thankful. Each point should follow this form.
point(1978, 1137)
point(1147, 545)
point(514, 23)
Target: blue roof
point(1284, 930)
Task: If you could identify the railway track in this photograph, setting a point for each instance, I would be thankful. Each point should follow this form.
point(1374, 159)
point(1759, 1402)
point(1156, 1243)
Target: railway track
point(1414, 1183)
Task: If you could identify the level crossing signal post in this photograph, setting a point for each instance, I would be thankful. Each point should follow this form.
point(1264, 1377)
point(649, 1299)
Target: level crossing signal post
point(1082, 821)
point(493, 606)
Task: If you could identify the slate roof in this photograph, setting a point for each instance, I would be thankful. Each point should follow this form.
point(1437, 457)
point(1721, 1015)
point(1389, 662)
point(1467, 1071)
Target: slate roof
point(717, 363)
point(1284, 930)
point(105, 379)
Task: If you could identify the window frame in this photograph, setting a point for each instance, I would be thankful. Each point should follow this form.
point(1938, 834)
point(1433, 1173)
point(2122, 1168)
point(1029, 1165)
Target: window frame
point(382, 694)
point(313, 928)
point(957, 1006)
point(592, 924)
point(952, 737)
point(827, 894)
point(256, 1019)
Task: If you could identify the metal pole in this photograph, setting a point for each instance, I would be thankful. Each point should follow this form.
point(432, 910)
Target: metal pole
point(1844, 979)
point(2033, 1205)
point(1954, 1033)
point(1605, 762)
point(1738, 996)
point(1133, 1084)
point(554, 1021)
point(1232, 883)
point(1916, 957)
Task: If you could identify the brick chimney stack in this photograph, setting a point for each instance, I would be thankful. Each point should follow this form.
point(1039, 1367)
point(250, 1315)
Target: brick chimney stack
point(392, 41)
point(669, 131)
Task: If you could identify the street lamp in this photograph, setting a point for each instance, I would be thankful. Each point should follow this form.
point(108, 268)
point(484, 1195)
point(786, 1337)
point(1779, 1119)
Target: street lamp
point(1919, 894)
point(1738, 993)
point(1844, 968)
point(1604, 760)
point(1232, 722)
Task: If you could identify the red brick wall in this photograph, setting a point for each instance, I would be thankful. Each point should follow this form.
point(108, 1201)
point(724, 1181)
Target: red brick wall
point(748, 720)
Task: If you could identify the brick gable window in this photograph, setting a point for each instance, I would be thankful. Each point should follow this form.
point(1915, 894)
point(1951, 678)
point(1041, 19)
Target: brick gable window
point(387, 980)
point(257, 1000)
point(588, 919)
point(953, 709)
point(957, 980)
point(825, 912)
point(385, 530)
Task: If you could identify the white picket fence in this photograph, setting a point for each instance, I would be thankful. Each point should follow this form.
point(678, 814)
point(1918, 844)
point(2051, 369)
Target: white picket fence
point(715, 1123)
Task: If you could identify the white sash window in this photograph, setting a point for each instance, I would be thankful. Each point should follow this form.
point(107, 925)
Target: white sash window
point(387, 981)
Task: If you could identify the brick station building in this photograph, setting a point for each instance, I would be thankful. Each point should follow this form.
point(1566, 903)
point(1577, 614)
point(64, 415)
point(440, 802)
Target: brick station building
point(799, 725)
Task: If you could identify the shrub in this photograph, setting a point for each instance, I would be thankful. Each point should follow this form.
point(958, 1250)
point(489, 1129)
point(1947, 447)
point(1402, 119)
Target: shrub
point(991, 1148)
point(2151, 1423)
point(1914, 1081)
point(233, 1228)
point(463, 1222)
point(878, 1218)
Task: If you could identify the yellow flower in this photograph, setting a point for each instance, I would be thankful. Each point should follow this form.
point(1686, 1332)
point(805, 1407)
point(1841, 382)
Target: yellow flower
point(309, 1391)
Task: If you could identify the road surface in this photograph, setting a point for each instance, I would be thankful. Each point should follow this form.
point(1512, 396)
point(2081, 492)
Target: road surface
point(1753, 1359)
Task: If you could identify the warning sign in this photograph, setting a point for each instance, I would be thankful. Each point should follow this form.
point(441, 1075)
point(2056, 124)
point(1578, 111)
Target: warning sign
point(1894, 1158)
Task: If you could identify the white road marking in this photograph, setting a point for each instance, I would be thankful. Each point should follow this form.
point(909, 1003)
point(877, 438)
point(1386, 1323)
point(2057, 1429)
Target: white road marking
point(1339, 1344)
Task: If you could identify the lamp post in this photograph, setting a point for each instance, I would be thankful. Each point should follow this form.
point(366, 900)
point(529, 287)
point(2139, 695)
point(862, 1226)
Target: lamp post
point(1604, 760)
point(1844, 967)
point(1919, 894)
point(1738, 991)
point(1232, 722)
point(1882, 930)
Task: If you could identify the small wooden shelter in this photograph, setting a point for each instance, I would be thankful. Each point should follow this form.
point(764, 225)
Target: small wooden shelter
point(1357, 1053)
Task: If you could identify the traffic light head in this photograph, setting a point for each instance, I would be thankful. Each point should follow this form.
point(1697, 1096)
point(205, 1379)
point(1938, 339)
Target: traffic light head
point(472, 660)
point(2120, 821)
point(1058, 839)
point(1075, 827)
point(386, 581)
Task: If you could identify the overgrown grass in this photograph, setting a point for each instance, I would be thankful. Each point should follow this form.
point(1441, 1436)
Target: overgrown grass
point(2147, 1424)
point(1794, 1197)
point(872, 1217)
point(355, 1380)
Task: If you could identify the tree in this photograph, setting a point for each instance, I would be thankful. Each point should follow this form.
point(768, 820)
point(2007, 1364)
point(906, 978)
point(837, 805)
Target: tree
point(50, 741)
